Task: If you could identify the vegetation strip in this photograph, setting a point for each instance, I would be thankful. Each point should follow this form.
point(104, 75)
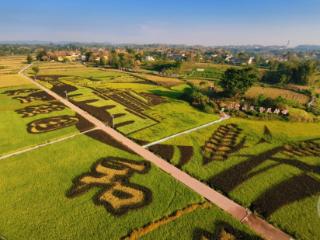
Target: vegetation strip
point(136, 234)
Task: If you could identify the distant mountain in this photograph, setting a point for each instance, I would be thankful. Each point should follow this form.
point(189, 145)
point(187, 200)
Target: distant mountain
point(308, 47)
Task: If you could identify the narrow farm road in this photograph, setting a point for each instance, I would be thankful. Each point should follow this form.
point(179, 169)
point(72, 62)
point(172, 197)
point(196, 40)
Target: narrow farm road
point(225, 117)
point(259, 225)
point(31, 148)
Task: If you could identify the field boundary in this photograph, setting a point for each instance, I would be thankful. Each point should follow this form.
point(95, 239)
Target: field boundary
point(256, 223)
point(150, 227)
point(28, 149)
point(187, 131)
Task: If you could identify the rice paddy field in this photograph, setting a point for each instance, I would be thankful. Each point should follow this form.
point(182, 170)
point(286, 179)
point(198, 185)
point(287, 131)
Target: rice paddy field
point(9, 68)
point(42, 196)
point(24, 107)
point(89, 186)
point(271, 167)
point(273, 93)
point(204, 71)
point(134, 106)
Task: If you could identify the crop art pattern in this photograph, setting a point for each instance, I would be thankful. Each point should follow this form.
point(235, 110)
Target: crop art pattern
point(222, 143)
point(31, 111)
point(117, 194)
point(51, 124)
point(32, 95)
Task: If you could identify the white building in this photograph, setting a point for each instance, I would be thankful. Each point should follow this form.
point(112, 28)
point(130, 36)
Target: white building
point(150, 59)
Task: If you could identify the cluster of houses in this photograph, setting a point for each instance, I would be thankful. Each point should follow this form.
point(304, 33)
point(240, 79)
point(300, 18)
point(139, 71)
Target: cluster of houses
point(155, 53)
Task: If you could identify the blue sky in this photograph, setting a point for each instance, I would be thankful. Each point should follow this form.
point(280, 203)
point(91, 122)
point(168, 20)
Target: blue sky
point(207, 22)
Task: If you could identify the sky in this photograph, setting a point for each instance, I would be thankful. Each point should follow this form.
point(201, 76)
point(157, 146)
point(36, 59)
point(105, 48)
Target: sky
point(204, 22)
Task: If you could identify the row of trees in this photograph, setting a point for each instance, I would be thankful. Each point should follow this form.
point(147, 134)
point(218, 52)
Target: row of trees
point(166, 67)
point(297, 72)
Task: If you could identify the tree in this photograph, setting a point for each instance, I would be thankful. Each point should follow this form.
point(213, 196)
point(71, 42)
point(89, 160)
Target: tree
point(36, 71)
point(89, 56)
point(41, 55)
point(114, 59)
point(103, 61)
point(294, 71)
point(29, 59)
point(236, 82)
point(166, 67)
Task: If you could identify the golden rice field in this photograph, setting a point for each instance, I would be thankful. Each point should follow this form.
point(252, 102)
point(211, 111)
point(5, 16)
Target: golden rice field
point(9, 68)
point(277, 92)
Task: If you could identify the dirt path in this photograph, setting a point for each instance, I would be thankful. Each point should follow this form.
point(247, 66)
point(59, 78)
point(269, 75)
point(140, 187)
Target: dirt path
point(260, 226)
point(187, 131)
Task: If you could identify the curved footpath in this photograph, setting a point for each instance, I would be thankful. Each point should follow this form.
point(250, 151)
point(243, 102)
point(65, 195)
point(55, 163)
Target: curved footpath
point(259, 225)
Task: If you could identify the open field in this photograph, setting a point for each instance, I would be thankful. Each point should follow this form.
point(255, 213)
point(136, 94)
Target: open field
point(135, 107)
point(9, 67)
point(163, 81)
point(25, 108)
point(269, 166)
point(211, 71)
point(55, 195)
point(273, 93)
point(12, 64)
point(68, 191)
point(263, 165)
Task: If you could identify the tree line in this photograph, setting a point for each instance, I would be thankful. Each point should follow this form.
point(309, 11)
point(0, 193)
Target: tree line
point(296, 72)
